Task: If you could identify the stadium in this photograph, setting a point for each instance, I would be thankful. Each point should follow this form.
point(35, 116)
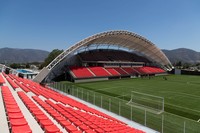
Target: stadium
point(100, 58)
point(115, 81)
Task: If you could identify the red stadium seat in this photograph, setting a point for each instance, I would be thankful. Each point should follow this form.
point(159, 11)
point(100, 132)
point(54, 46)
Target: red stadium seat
point(75, 117)
point(65, 123)
point(45, 123)
point(51, 129)
point(99, 71)
point(113, 71)
point(18, 122)
point(89, 131)
point(13, 84)
point(2, 81)
point(121, 71)
point(21, 129)
point(15, 115)
point(81, 72)
point(71, 128)
point(129, 70)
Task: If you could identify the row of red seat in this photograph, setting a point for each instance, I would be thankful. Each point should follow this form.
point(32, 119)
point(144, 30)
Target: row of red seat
point(149, 70)
point(39, 115)
point(113, 71)
point(81, 72)
point(12, 83)
point(57, 116)
point(16, 120)
point(85, 120)
point(80, 118)
point(99, 71)
point(86, 72)
point(2, 81)
point(58, 97)
point(48, 93)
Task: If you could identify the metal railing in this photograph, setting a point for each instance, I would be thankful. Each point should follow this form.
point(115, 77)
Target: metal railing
point(164, 123)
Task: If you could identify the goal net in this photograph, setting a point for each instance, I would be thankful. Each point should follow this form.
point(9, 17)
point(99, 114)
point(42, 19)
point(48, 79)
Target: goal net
point(154, 104)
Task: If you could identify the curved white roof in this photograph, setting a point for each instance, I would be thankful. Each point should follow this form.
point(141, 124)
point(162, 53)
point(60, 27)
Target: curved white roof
point(124, 39)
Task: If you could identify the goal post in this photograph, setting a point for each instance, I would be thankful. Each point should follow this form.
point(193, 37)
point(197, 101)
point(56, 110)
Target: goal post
point(152, 103)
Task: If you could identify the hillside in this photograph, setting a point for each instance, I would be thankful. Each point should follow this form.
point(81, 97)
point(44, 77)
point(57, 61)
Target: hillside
point(183, 55)
point(14, 55)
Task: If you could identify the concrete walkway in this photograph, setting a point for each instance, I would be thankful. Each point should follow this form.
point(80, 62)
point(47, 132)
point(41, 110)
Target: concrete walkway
point(3, 119)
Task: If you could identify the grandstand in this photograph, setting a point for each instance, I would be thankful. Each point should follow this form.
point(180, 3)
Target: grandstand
point(104, 56)
point(109, 63)
point(105, 64)
point(30, 107)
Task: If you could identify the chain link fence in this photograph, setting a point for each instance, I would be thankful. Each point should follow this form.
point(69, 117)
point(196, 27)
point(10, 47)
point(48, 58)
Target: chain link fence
point(164, 123)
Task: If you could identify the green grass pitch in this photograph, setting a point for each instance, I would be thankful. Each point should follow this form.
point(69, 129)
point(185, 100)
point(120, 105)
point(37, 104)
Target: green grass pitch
point(181, 94)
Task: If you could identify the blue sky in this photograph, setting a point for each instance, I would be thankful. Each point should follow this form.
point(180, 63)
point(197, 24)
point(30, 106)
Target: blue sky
point(50, 24)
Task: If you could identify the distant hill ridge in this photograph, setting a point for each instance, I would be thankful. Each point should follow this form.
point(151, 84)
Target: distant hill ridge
point(15, 55)
point(182, 54)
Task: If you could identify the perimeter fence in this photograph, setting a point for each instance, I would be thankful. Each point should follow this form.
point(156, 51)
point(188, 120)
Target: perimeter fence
point(164, 122)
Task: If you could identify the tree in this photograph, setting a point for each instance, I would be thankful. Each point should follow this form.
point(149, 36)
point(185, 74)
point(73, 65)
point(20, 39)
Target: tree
point(51, 57)
point(27, 65)
point(15, 65)
point(179, 63)
point(186, 65)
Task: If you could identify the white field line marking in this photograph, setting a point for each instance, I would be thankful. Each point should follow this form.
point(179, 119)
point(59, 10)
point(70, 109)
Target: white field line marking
point(182, 94)
point(183, 107)
point(106, 88)
point(121, 95)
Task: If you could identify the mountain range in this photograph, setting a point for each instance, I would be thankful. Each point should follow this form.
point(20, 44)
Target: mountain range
point(14, 55)
point(182, 54)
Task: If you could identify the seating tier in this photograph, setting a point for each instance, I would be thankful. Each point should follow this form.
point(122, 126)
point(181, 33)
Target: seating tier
point(72, 115)
point(81, 72)
point(99, 71)
point(121, 71)
point(16, 119)
point(113, 71)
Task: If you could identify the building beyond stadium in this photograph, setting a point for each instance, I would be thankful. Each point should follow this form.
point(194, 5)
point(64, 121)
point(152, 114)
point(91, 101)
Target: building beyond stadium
point(112, 54)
